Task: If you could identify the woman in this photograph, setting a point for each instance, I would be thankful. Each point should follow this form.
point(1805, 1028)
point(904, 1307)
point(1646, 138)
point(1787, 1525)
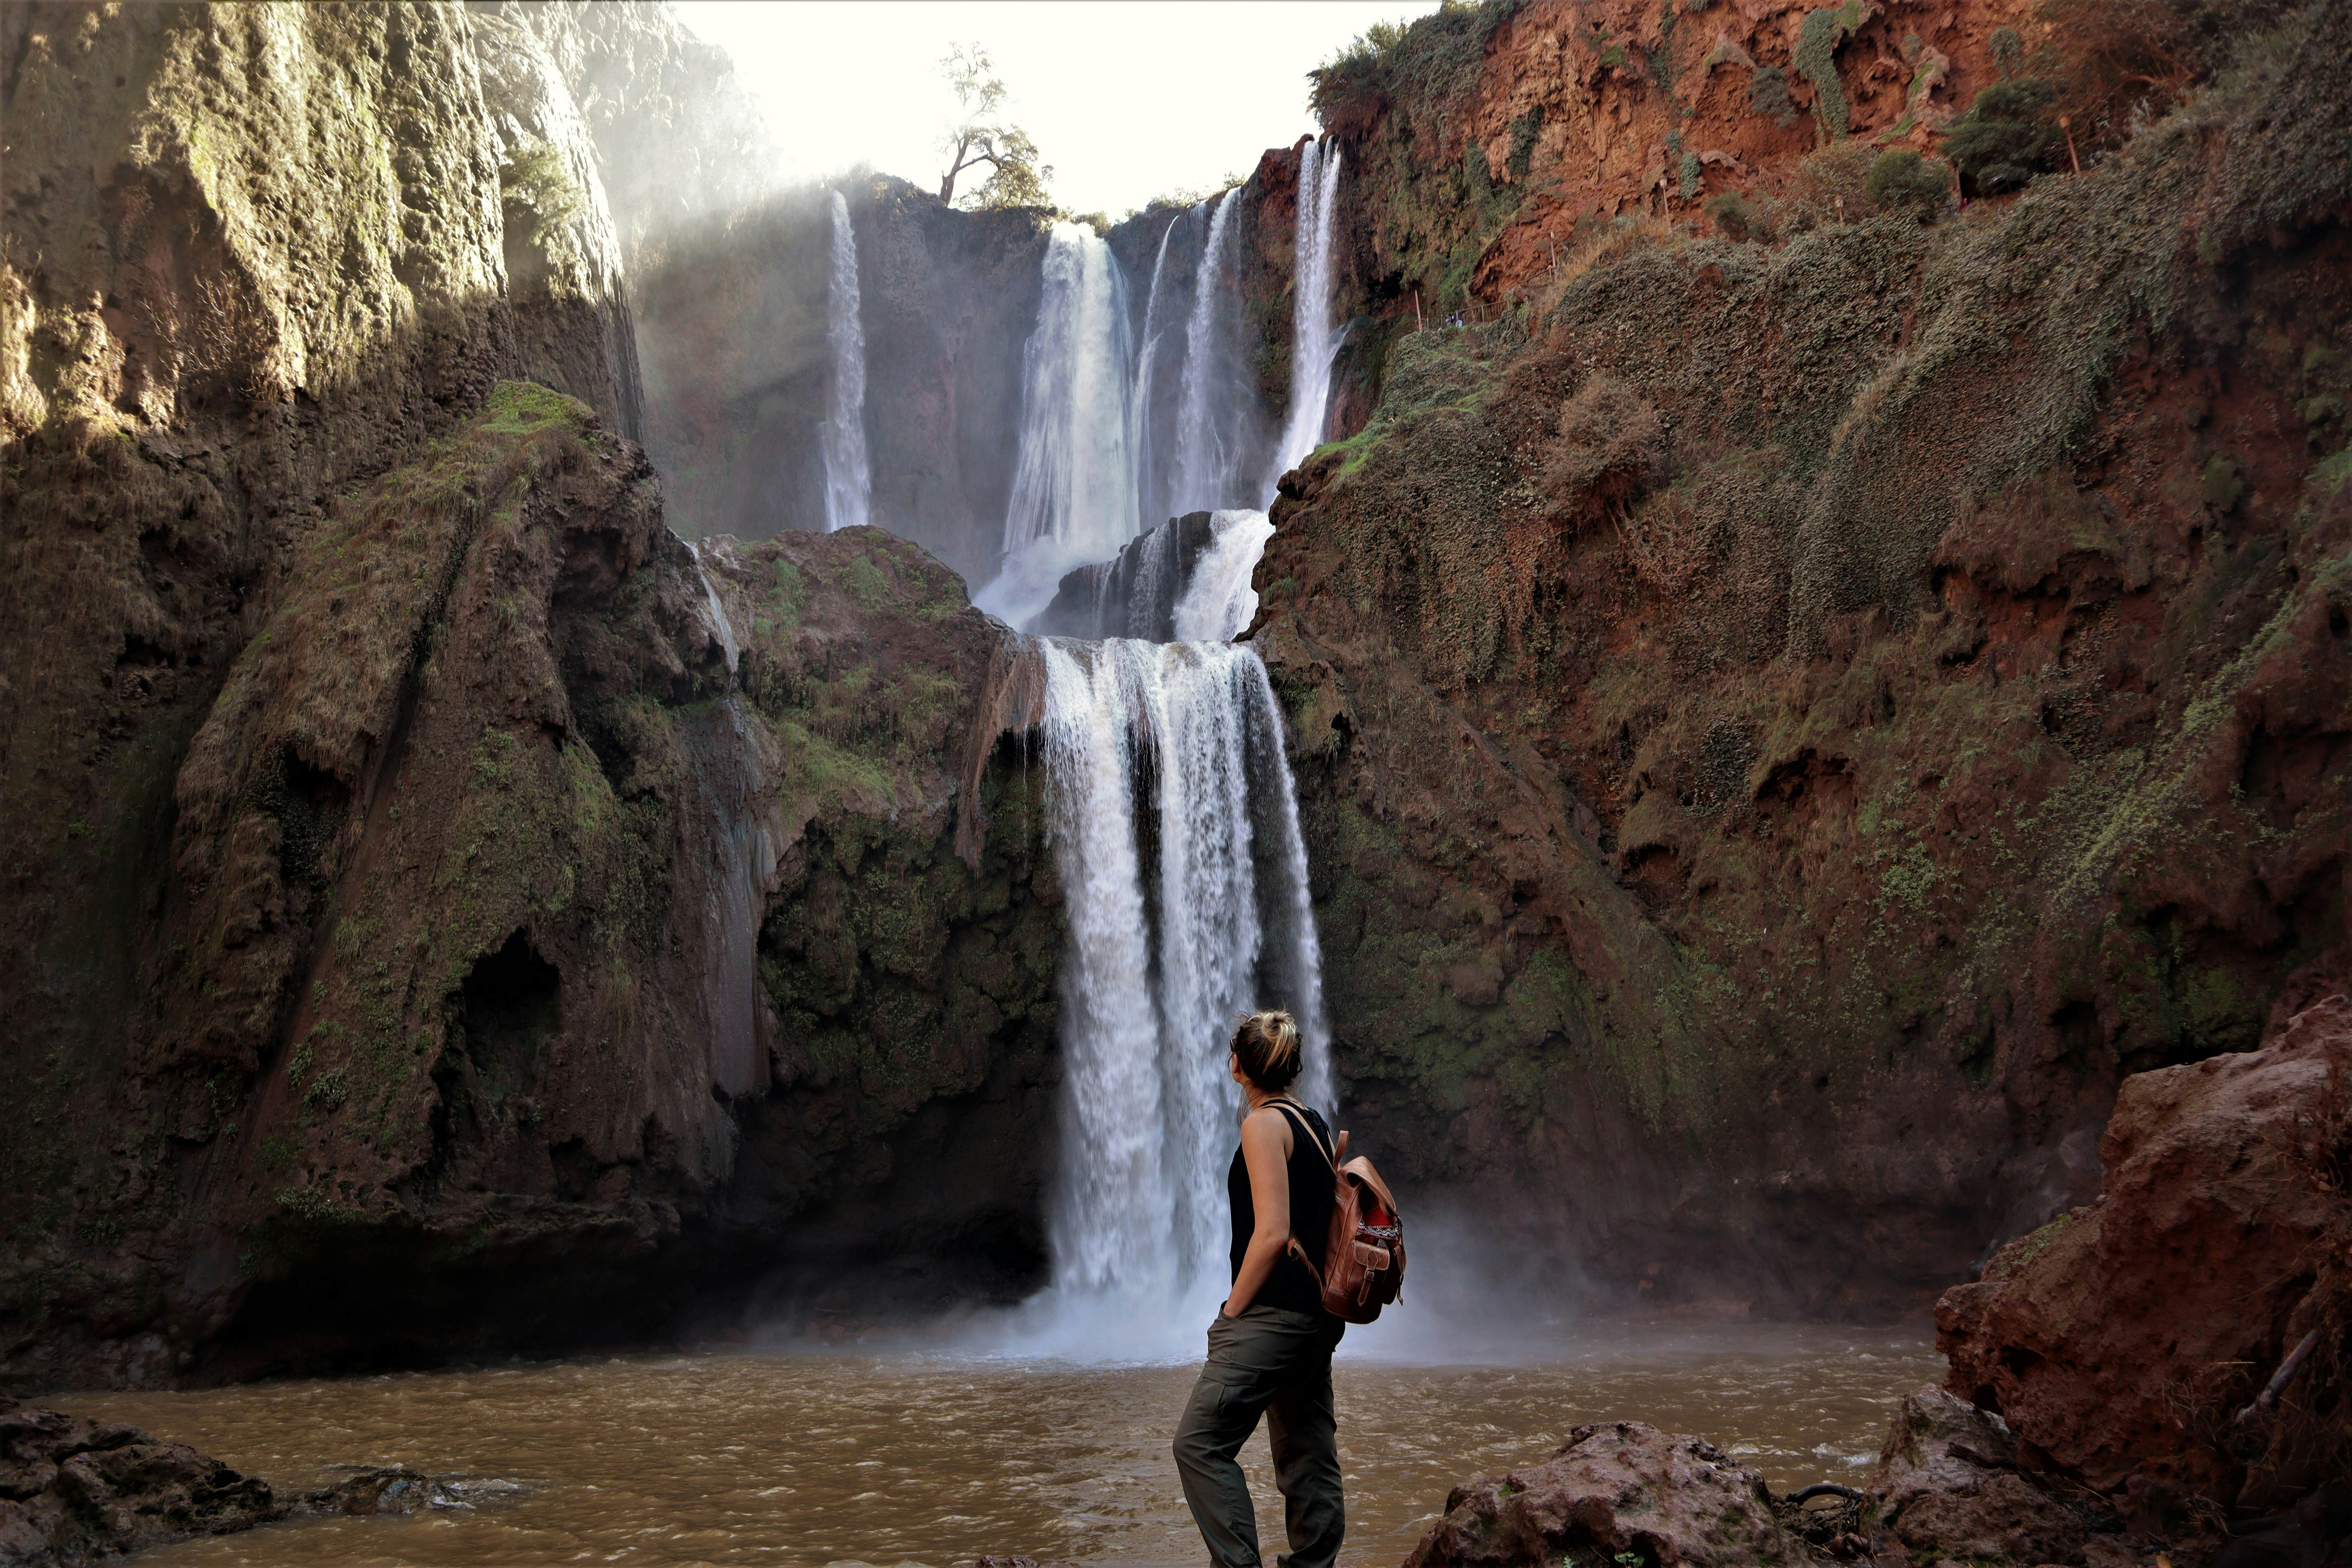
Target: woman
point(1270, 1347)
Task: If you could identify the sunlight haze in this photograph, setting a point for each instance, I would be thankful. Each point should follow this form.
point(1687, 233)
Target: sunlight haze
point(1126, 102)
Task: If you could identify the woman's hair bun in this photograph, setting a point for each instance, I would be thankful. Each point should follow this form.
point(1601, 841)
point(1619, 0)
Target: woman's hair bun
point(1268, 1044)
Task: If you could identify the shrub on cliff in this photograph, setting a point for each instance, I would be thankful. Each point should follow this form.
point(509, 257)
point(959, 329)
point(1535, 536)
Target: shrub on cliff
point(538, 180)
point(1430, 62)
point(1767, 94)
point(1610, 444)
point(1903, 181)
point(2116, 65)
point(1738, 218)
point(2006, 137)
point(1831, 185)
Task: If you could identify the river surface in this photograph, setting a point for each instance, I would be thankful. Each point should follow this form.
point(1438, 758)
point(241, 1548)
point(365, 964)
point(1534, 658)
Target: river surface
point(810, 1457)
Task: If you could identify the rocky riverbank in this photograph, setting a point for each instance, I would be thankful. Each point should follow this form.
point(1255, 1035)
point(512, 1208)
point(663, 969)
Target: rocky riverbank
point(2160, 1374)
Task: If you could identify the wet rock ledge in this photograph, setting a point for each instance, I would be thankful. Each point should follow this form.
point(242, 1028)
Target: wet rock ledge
point(74, 1490)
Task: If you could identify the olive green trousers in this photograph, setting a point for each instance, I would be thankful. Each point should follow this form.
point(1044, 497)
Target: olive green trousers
point(1276, 1364)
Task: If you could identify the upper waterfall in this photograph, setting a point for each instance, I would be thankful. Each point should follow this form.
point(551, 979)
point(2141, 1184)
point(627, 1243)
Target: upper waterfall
point(1214, 408)
point(848, 479)
point(1074, 490)
point(1313, 341)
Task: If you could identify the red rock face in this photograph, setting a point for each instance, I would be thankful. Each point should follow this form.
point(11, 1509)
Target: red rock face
point(1784, 734)
point(2117, 1338)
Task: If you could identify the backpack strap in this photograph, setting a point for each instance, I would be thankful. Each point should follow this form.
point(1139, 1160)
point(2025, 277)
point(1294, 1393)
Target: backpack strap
point(1294, 1111)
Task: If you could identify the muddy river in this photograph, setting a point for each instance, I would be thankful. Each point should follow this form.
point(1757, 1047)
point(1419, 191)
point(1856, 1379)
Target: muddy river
point(811, 1457)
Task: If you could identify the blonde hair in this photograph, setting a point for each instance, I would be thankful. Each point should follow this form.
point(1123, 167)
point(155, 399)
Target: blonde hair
point(1268, 1044)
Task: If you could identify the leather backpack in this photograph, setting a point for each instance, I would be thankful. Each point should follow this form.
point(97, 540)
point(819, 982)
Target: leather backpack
point(1363, 1260)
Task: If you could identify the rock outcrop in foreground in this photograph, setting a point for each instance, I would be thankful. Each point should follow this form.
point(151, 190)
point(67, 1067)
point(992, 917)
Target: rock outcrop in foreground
point(2127, 1341)
point(1612, 1493)
point(74, 1490)
point(2099, 1370)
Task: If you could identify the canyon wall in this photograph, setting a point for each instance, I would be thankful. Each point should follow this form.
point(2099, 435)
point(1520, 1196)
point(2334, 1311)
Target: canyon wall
point(1783, 726)
point(1785, 731)
point(442, 909)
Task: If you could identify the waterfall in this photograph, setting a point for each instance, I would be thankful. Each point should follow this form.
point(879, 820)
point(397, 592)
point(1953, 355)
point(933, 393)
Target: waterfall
point(1218, 602)
point(1209, 410)
point(1312, 344)
point(1153, 496)
point(1174, 932)
point(848, 482)
point(1074, 491)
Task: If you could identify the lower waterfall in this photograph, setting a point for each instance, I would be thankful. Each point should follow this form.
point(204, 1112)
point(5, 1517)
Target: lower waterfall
point(1174, 824)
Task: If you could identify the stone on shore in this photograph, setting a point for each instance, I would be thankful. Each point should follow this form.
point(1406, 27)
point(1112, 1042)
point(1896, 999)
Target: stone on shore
point(1611, 1489)
point(73, 1490)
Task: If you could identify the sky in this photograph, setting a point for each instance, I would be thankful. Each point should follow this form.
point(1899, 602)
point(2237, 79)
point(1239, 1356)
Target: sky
point(1127, 99)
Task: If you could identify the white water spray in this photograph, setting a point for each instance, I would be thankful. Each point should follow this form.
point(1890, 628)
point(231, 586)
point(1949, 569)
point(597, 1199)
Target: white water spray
point(1140, 401)
point(1218, 601)
point(1313, 341)
point(1074, 489)
point(848, 481)
point(1207, 437)
point(1171, 935)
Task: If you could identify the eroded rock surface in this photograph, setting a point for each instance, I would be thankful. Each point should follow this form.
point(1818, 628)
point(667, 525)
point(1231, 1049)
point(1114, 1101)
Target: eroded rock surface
point(1610, 1491)
point(1948, 1482)
point(74, 1490)
point(2122, 1339)
point(469, 914)
point(1783, 737)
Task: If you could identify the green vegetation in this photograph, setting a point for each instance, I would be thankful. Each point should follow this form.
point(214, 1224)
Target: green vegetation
point(1818, 37)
point(1903, 181)
point(1430, 62)
point(1767, 94)
point(2005, 139)
point(537, 177)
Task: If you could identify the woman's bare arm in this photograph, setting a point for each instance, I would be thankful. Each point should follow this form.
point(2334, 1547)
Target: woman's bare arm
point(1266, 1152)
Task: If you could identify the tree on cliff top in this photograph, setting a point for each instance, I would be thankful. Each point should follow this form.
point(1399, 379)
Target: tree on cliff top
point(978, 135)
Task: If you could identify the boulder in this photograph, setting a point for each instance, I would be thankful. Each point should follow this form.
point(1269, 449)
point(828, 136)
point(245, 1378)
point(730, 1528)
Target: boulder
point(1623, 1487)
point(73, 1490)
point(1947, 1482)
point(2118, 1341)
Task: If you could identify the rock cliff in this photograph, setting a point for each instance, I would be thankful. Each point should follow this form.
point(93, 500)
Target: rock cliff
point(443, 908)
point(1785, 732)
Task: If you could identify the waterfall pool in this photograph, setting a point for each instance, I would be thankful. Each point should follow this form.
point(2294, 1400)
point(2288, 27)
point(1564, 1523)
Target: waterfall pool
point(937, 1455)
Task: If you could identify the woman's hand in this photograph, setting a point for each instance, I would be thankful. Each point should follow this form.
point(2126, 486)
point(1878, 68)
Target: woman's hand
point(1266, 1152)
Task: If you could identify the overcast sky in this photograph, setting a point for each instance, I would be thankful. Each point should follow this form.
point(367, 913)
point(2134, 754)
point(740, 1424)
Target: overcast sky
point(1127, 99)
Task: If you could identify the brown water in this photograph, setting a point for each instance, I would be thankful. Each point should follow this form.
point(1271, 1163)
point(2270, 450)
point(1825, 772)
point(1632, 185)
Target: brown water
point(816, 1458)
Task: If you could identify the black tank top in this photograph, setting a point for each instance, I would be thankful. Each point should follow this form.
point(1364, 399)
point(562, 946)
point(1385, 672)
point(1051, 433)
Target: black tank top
point(1290, 1286)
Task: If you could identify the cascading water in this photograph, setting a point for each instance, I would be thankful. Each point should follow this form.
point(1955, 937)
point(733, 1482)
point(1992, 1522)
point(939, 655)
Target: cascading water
point(1218, 601)
point(1172, 933)
point(1149, 485)
point(848, 480)
point(1212, 410)
point(1313, 343)
point(1073, 495)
